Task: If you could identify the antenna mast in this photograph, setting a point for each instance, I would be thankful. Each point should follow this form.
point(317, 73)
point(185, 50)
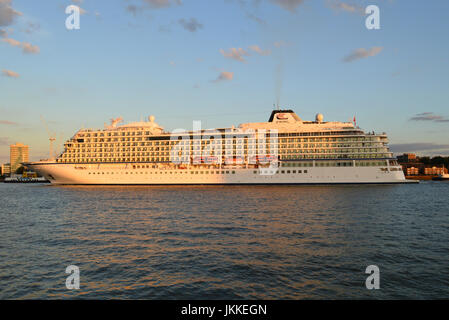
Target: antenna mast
point(51, 137)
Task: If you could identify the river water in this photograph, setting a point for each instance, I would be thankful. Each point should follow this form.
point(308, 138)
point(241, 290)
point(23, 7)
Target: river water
point(224, 242)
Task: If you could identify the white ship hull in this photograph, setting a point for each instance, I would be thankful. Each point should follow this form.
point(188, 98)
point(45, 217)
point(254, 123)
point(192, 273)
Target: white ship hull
point(125, 174)
point(297, 152)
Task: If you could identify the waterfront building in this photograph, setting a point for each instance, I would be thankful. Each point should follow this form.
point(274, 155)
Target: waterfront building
point(418, 168)
point(6, 169)
point(412, 171)
point(407, 157)
point(19, 153)
point(434, 171)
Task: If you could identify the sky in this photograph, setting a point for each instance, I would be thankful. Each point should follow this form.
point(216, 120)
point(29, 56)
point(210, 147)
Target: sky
point(223, 62)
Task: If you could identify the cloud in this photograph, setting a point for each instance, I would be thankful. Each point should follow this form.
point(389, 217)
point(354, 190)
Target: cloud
point(12, 42)
point(224, 76)
point(279, 44)
point(416, 147)
point(29, 48)
point(165, 29)
point(10, 74)
point(257, 19)
point(158, 4)
point(5, 141)
point(193, 25)
point(239, 54)
point(26, 47)
point(289, 5)
point(429, 116)
point(77, 5)
point(395, 74)
point(8, 123)
point(362, 53)
point(235, 54)
point(343, 6)
point(258, 50)
point(151, 4)
point(7, 13)
point(32, 27)
point(249, 7)
point(3, 33)
point(133, 9)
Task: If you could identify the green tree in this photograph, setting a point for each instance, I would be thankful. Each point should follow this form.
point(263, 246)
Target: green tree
point(20, 170)
point(425, 160)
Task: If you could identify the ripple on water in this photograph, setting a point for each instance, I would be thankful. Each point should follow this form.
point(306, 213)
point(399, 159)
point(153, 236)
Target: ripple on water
point(224, 242)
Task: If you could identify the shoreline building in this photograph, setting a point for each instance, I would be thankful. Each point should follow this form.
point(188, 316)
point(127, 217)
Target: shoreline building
point(413, 165)
point(19, 153)
point(6, 169)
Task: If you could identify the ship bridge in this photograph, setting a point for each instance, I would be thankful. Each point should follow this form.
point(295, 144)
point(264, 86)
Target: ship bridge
point(151, 126)
point(288, 120)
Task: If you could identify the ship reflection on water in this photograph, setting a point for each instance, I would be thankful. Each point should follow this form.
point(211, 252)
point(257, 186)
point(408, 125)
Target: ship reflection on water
point(224, 242)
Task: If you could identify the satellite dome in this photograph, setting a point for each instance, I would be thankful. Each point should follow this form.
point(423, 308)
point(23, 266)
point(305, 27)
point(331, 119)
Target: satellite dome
point(151, 118)
point(319, 117)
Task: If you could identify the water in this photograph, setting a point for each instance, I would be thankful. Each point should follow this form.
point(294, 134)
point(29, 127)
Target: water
point(225, 242)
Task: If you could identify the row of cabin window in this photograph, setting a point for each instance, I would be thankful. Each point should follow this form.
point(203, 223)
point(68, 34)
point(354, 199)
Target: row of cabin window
point(228, 140)
point(82, 159)
point(170, 172)
point(285, 171)
point(200, 172)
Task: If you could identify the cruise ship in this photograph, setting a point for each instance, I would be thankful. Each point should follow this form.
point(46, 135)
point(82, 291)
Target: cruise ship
point(283, 150)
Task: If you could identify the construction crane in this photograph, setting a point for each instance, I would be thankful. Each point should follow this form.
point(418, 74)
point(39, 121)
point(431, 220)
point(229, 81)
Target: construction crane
point(51, 137)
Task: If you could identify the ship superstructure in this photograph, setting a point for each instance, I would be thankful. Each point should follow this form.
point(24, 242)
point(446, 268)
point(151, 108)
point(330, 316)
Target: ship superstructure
point(284, 150)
